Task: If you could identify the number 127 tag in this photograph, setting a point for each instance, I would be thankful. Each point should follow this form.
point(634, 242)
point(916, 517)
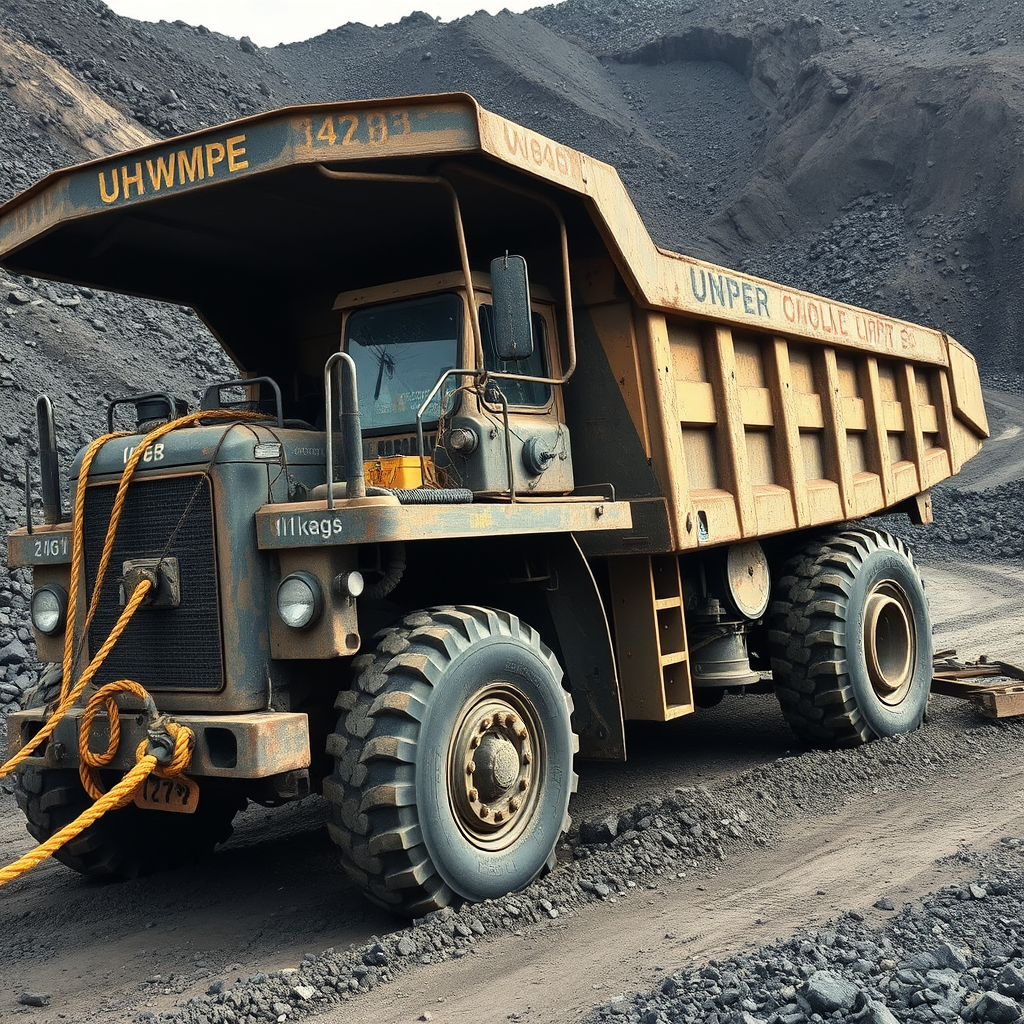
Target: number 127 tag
point(179, 794)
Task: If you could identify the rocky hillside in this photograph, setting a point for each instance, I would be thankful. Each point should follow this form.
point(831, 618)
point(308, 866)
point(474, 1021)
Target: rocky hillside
point(739, 128)
point(858, 148)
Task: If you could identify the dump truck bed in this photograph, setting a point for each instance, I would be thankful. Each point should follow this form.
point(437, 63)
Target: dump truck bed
point(759, 432)
point(761, 408)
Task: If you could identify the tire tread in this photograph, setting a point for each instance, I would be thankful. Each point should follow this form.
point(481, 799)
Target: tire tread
point(808, 634)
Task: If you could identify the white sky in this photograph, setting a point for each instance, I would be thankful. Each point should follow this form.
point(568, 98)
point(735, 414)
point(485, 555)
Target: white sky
point(269, 22)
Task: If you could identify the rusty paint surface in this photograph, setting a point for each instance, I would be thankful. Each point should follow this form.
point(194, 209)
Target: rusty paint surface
point(265, 743)
point(336, 633)
point(45, 545)
point(310, 524)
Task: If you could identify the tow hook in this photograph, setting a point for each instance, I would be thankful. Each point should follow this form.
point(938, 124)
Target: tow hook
point(159, 734)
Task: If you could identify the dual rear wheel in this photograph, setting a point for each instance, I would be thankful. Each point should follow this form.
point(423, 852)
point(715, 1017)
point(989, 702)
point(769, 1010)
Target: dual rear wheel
point(850, 640)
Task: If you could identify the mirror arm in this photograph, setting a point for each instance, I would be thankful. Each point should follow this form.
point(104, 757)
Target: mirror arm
point(570, 327)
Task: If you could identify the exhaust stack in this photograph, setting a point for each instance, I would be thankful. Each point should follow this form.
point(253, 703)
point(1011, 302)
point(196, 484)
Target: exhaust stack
point(49, 471)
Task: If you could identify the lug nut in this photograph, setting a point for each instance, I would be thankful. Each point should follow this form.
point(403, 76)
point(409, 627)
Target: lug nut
point(527, 757)
point(498, 816)
point(474, 743)
point(524, 785)
point(471, 768)
point(513, 805)
point(484, 812)
point(523, 733)
point(474, 795)
point(485, 724)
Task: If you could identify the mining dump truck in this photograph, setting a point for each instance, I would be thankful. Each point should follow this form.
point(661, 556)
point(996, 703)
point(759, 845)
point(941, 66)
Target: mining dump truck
point(495, 476)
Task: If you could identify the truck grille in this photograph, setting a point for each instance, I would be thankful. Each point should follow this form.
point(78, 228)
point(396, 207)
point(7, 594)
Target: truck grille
point(162, 648)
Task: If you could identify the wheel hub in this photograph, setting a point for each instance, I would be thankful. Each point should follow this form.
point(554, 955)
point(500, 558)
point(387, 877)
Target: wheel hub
point(890, 642)
point(497, 766)
point(492, 770)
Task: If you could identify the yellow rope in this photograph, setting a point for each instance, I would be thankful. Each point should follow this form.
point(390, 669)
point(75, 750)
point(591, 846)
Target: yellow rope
point(90, 762)
point(116, 797)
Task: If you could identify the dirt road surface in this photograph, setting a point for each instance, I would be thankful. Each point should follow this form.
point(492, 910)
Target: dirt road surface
point(275, 892)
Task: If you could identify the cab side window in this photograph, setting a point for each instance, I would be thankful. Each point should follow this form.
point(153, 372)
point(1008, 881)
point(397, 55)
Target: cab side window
point(518, 392)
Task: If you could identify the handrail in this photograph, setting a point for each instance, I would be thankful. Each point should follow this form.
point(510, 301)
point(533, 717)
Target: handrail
point(460, 232)
point(570, 326)
point(454, 372)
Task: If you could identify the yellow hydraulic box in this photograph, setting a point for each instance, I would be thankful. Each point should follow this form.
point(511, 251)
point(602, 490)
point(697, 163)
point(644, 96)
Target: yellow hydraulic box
point(401, 472)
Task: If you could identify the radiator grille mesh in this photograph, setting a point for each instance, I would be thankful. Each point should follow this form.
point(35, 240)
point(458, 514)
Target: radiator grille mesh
point(162, 648)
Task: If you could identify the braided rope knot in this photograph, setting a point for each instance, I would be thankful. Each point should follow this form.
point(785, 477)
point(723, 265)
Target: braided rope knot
point(167, 748)
point(170, 743)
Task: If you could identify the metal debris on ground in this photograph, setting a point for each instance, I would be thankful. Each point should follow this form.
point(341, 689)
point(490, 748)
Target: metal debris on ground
point(1001, 699)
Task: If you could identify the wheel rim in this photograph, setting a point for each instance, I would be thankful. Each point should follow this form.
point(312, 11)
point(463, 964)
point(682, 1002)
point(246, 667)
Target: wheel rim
point(495, 767)
point(890, 641)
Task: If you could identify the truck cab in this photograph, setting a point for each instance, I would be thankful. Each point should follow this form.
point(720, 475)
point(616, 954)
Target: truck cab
point(405, 337)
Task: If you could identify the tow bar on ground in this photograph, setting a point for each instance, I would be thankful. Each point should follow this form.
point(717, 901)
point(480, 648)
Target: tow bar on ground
point(1002, 699)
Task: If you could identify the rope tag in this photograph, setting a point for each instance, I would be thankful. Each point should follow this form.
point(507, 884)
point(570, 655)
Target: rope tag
point(167, 789)
point(179, 794)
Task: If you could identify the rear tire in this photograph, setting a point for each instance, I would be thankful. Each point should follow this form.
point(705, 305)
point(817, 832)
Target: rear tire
point(453, 761)
point(127, 842)
point(850, 640)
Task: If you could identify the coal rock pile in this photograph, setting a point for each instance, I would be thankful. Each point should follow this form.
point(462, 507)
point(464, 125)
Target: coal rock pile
point(971, 525)
point(851, 259)
point(959, 956)
point(17, 668)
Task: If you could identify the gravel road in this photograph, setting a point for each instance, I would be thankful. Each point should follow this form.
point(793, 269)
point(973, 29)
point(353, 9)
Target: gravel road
point(718, 835)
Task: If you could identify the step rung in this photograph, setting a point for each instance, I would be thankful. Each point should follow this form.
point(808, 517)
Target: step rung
point(673, 658)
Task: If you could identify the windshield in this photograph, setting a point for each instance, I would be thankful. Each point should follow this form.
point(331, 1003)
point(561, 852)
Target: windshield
point(400, 350)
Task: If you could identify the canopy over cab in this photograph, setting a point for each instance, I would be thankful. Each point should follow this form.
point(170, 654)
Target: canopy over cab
point(240, 222)
point(246, 224)
point(259, 224)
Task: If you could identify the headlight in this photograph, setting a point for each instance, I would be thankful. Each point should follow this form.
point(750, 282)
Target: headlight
point(299, 600)
point(49, 609)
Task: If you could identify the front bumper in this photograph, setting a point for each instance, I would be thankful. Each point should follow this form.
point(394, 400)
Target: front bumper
point(256, 745)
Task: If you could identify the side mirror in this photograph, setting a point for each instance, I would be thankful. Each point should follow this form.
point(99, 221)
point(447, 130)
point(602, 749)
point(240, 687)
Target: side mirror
point(513, 323)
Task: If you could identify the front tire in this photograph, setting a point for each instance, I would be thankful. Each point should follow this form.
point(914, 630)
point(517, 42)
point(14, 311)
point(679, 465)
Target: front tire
point(453, 761)
point(850, 640)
